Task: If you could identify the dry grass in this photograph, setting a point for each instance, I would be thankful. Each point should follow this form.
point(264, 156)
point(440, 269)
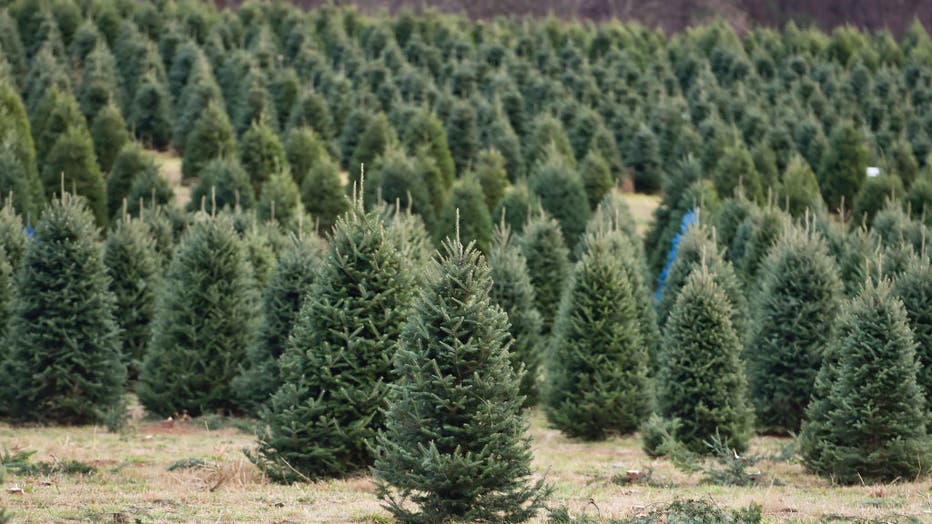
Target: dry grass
point(170, 168)
point(642, 209)
point(133, 484)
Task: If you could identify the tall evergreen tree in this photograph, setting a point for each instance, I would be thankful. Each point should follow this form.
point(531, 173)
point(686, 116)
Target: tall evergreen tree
point(212, 137)
point(12, 236)
point(63, 362)
point(222, 183)
point(203, 321)
point(323, 195)
point(800, 188)
point(72, 163)
point(596, 178)
point(151, 113)
point(643, 157)
point(548, 264)
point(562, 195)
point(426, 131)
point(702, 380)
point(16, 184)
point(843, 165)
point(261, 154)
point(456, 449)
point(304, 150)
point(108, 131)
point(336, 368)
point(374, 141)
point(490, 170)
point(131, 163)
point(463, 135)
point(914, 288)
point(281, 201)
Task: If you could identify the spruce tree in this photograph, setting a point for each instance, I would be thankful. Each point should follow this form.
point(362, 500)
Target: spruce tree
point(597, 367)
point(736, 168)
point(108, 131)
point(702, 380)
point(456, 450)
point(400, 178)
point(210, 138)
point(596, 178)
point(562, 195)
point(310, 110)
point(57, 113)
point(72, 163)
point(16, 133)
point(203, 321)
point(548, 264)
point(643, 157)
point(873, 196)
point(793, 317)
point(323, 195)
point(132, 162)
point(16, 184)
point(336, 368)
point(281, 201)
point(517, 206)
point(150, 190)
point(466, 204)
point(548, 138)
point(513, 292)
point(63, 361)
point(374, 141)
point(867, 423)
point(12, 236)
point(800, 188)
point(426, 131)
point(914, 288)
point(843, 165)
point(463, 135)
point(282, 298)
point(222, 183)
point(261, 154)
point(490, 170)
point(304, 150)
point(151, 114)
point(135, 274)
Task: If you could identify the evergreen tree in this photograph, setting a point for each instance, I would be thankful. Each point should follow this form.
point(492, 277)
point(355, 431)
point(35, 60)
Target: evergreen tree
point(336, 368)
point(596, 178)
point(131, 163)
point(467, 204)
point(517, 206)
point(548, 138)
point(490, 170)
point(597, 367)
point(63, 361)
point(548, 264)
point(57, 113)
point(843, 165)
point(16, 184)
point(702, 380)
point(289, 285)
point(867, 423)
point(100, 82)
point(150, 190)
point(310, 110)
point(353, 129)
point(873, 196)
point(280, 201)
point(800, 189)
point(200, 91)
point(736, 168)
point(203, 322)
point(135, 274)
point(562, 195)
point(456, 449)
point(426, 131)
point(463, 134)
point(13, 239)
point(643, 157)
point(212, 137)
point(261, 154)
point(794, 314)
point(72, 163)
point(374, 141)
point(764, 229)
point(304, 150)
point(914, 288)
point(222, 183)
point(323, 195)
point(16, 133)
point(513, 292)
point(108, 131)
point(151, 113)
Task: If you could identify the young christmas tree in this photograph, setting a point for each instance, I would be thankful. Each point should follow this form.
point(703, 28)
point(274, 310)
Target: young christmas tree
point(304, 150)
point(562, 195)
point(518, 205)
point(17, 183)
point(467, 204)
point(513, 292)
point(72, 159)
point(548, 264)
point(323, 195)
point(456, 449)
point(596, 178)
point(151, 114)
point(914, 288)
point(841, 172)
point(135, 275)
point(261, 154)
point(336, 368)
point(108, 131)
point(867, 420)
point(12, 236)
point(282, 299)
point(211, 137)
point(490, 170)
point(203, 321)
point(281, 201)
point(793, 317)
point(702, 380)
point(131, 162)
point(597, 367)
point(63, 360)
point(222, 183)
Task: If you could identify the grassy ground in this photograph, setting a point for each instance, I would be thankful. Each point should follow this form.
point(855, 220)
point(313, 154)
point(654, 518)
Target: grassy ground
point(133, 484)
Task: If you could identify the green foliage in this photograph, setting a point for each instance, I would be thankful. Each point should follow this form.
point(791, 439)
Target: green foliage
point(63, 362)
point(844, 164)
point(548, 138)
point(323, 195)
point(17, 183)
point(562, 195)
point(280, 201)
point(517, 206)
point(12, 237)
point(374, 141)
point(800, 189)
point(108, 131)
point(210, 138)
point(691, 511)
point(204, 320)
point(304, 150)
point(596, 178)
point(456, 449)
point(151, 113)
point(72, 164)
point(336, 368)
point(874, 195)
point(762, 230)
point(222, 183)
point(597, 366)
point(736, 169)
point(131, 163)
point(490, 170)
point(466, 205)
point(400, 179)
point(310, 110)
point(548, 264)
point(463, 135)
point(867, 420)
point(261, 154)
point(426, 132)
point(643, 157)
point(702, 380)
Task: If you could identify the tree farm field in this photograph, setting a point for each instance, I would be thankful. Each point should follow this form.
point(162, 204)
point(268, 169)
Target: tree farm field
point(213, 481)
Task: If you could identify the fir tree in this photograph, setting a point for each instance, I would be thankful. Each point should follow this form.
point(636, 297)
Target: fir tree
point(203, 322)
point(261, 154)
point(843, 165)
point(211, 137)
point(57, 113)
point(794, 314)
point(736, 168)
point(400, 179)
point(222, 183)
point(800, 189)
point(281, 201)
point(463, 135)
point(282, 298)
point(596, 178)
point(548, 138)
point(16, 184)
point(914, 288)
point(310, 110)
point(490, 170)
point(150, 190)
point(598, 363)
point(151, 113)
point(131, 162)
point(466, 210)
point(108, 131)
point(513, 292)
point(562, 195)
point(517, 206)
point(426, 131)
point(873, 196)
point(336, 368)
point(375, 140)
point(548, 264)
point(16, 133)
point(323, 195)
point(304, 150)
point(135, 274)
point(64, 368)
point(702, 380)
point(13, 239)
point(350, 137)
point(867, 422)
point(456, 449)
point(643, 157)
point(72, 163)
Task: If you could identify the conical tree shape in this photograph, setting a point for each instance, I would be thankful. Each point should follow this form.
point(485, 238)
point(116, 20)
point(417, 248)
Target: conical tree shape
point(261, 154)
point(517, 206)
point(63, 363)
point(596, 177)
point(426, 131)
point(513, 292)
point(490, 170)
point(597, 366)
point(374, 141)
point(222, 183)
point(72, 162)
point(548, 264)
point(562, 195)
point(794, 314)
point(204, 320)
point(467, 204)
point(135, 275)
point(108, 131)
point(304, 150)
point(456, 449)
point(282, 299)
point(914, 288)
point(870, 427)
point(210, 138)
point(842, 170)
point(800, 189)
point(131, 162)
point(336, 368)
point(702, 380)
point(12, 237)
point(151, 114)
point(280, 201)
point(323, 195)
point(17, 183)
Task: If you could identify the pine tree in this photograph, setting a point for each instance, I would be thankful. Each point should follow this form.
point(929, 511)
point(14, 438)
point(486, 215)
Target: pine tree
point(72, 163)
point(456, 450)
point(548, 264)
point(702, 380)
point(643, 157)
point(843, 165)
point(426, 131)
point(914, 288)
point(463, 135)
point(304, 150)
point(281, 201)
point(596, 178)
point(261, 154)
point(513, 292)
point(373, 142)
point(108, 131)
point(151, 113)
point(518, 206)
point(16, 183)
point(466, 210)
point(222, 183)
point(203, 321)
point(873, 196)
point(800, 188)
point(562, 195)
point(64, 368)
point(336, 368)
point(12, 236)
point(490, 170)
point(135, 274)
point(597, 367)
point(323, 195)
point(211, 137)
point(131, 163)
point(794, 314)
point(867, 422)
point(289, 285)
point(399, 178)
